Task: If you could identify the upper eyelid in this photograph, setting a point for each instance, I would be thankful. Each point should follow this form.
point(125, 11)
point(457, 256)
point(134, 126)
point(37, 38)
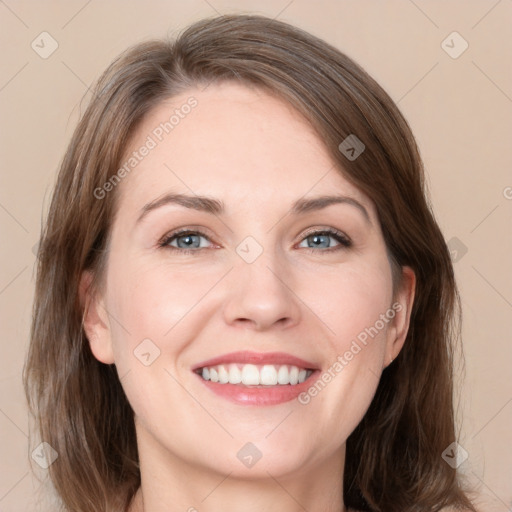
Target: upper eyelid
point(334, 231)
point(185, 230)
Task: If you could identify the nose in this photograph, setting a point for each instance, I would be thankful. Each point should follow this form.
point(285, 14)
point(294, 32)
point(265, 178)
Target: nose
point(261, 296)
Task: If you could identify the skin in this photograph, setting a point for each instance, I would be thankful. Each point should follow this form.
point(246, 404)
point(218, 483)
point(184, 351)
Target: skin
point(255, 154)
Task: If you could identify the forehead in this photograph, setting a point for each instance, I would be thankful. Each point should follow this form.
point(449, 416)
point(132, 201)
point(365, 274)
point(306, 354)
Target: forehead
point(232, 142)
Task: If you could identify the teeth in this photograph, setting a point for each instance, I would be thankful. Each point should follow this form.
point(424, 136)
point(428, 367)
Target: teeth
point(223, 375)
point(253, 375)
point(294, 375)
point(283, 375)
point(268, 375)
point(235, 375)
point(250, 375)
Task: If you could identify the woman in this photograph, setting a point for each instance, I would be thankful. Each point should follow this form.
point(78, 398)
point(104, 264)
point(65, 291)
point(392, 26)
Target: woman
point(243, 299)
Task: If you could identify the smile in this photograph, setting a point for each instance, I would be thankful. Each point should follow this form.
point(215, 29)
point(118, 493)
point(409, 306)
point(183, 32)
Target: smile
point(256, 378)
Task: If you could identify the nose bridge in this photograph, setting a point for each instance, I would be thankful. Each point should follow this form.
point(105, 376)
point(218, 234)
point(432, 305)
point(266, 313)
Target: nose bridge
point(260, 288)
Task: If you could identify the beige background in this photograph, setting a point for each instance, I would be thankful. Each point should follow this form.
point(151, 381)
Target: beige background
point(459, 108)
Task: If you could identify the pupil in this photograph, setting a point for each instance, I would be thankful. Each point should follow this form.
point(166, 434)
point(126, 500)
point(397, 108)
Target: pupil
point(320, 240)
point(188, 241)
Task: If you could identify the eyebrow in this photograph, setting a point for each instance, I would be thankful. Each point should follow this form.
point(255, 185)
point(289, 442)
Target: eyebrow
point(318, 203)
point(216, 207)
point(199, 203)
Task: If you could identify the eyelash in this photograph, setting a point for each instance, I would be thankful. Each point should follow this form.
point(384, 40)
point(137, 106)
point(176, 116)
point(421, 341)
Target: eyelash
point(341, 238)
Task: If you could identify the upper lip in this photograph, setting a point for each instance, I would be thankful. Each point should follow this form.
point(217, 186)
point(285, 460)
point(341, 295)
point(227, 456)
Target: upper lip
point(245, 357)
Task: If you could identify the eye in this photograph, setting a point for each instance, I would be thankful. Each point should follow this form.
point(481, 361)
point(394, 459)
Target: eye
point(185, 241)
point(323, 240)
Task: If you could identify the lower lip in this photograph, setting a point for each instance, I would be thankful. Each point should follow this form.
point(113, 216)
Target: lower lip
point(259, 395)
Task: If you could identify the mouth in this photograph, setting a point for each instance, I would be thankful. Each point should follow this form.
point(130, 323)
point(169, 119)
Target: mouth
point(251, 378)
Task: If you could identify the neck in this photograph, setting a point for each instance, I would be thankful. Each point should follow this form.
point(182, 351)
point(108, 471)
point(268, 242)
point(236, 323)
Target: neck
point(173, 485)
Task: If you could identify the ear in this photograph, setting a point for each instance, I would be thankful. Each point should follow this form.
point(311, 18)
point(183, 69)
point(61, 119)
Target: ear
point(95, 320)
point(402, 305)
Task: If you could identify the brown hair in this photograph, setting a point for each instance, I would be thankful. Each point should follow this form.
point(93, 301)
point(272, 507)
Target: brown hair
point(393, 459)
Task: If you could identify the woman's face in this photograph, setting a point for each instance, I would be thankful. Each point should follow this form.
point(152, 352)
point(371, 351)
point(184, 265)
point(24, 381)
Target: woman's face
point(279, 272)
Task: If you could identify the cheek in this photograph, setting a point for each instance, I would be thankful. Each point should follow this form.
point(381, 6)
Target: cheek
point(154, 315)
point(351, 301)
point(354, 307)
point(155, 300)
